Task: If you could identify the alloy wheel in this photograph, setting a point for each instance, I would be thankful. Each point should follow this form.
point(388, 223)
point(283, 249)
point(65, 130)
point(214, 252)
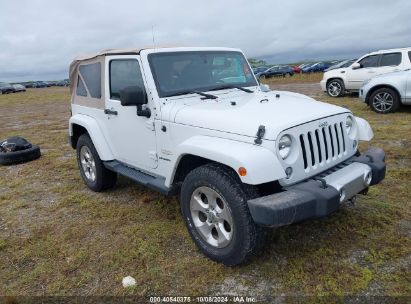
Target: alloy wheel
point(334, 88)
point(212, 217)
point(88, 164)
point(383, 101)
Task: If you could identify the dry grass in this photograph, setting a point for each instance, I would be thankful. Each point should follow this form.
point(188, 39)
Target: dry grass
point(58, 238)
point(296, 78)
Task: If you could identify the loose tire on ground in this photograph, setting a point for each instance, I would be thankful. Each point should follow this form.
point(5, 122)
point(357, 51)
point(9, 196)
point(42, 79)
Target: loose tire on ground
point(18, 157)
point(246, 236)
point(384, 101)
point(95, 175)
point(335, 88)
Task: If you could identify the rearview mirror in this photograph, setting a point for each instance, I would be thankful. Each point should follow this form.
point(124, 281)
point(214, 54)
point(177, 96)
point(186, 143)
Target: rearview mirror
point(135, 96)
point(355, 66)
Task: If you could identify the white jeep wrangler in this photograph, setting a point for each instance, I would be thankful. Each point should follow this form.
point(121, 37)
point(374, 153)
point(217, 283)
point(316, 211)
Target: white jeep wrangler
point(195, 120)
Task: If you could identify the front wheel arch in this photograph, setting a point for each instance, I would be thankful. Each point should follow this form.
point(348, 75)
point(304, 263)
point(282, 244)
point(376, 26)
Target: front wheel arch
point(383, 86)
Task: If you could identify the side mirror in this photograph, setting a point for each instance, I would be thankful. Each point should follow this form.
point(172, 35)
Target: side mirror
point(356, 66)
point(264, 88)
point(135, 96)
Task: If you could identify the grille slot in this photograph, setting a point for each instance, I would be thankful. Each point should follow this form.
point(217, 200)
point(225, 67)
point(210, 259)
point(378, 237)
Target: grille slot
point(322, 145)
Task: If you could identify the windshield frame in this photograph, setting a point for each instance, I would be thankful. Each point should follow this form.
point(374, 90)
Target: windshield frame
point(162, 94)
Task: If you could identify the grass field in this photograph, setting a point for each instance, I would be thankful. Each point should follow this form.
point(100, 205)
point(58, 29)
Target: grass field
point(58, 238)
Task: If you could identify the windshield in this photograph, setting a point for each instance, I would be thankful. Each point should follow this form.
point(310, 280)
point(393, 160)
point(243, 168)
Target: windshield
point(180, 72)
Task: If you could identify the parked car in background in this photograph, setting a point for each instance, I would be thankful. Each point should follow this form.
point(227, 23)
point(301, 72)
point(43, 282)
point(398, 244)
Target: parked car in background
point(6, 88)
point(337, 82)
point(308, 67)
point(18, 87)
point(296, 69)
point(29, 84)
point(386, 93)
point(283, 71)
point(260, 70)
point(341, 64)
point(40, 84)
point(317, 67)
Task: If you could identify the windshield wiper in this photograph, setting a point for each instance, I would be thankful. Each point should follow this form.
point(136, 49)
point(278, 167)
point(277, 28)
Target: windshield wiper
point(206, 96)
point(232, 87)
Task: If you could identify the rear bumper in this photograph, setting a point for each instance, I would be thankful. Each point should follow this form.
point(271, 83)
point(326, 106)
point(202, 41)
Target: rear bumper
point(320, 195)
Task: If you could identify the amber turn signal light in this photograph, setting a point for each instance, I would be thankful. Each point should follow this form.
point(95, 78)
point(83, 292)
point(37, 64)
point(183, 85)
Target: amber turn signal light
point(242, 171)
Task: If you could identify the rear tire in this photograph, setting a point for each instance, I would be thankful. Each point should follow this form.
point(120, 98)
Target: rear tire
point(384, 101)
point(214, 206)
point(95, 175)
point(335, 88)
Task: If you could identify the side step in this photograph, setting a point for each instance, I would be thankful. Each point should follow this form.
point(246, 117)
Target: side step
point(152, 182)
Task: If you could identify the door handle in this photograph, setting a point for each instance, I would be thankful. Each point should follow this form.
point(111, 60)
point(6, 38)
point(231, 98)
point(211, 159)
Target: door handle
point(371, 72)
point(110, 112)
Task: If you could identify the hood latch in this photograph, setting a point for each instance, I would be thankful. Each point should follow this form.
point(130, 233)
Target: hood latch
point(260, 134)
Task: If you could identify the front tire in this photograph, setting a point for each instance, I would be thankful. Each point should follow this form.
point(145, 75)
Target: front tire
point(214, 206)
point(95, 175)
point(335, 88)
point(384, 100)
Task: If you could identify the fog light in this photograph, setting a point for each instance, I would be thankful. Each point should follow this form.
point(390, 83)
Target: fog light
point(368, 178)
point(288, 172)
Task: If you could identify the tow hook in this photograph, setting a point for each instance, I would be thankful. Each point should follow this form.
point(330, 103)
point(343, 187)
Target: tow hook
point(353, 200)
point(364, 192)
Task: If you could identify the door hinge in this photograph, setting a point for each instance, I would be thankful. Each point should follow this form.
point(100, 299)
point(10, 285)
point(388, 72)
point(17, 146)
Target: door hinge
point(150, 125)
point(153, 156)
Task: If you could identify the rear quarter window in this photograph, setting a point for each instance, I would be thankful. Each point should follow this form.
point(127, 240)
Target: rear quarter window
point(409, 56)
point(91, 74)
point(390, 59)
point(81, 89)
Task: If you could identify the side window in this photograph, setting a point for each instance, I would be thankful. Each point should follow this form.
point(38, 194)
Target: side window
point(391, 59)
point(369, 61)
point(81, 89)
point(91, 74)
point(124, 73)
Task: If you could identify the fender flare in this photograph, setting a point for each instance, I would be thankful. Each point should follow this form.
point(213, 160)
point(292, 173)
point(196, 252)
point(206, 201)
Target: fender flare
point(95, 132)
point(364, 129)
point(261, 164)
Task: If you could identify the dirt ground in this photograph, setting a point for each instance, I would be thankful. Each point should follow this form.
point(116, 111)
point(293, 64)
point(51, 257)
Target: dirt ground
point(59, 238)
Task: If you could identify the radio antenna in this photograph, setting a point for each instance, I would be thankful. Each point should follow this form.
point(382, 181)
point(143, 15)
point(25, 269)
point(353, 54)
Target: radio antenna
point(152, 33)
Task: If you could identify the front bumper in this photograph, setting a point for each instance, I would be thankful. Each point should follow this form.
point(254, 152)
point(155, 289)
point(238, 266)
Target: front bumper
point(321, 195)
point(362, 94)
point(323, 84)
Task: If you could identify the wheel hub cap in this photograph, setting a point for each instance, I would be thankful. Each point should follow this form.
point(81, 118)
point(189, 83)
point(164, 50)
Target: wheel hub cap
point(334, 88)
point(87, 163)
point(383, 101)
point(212, 217)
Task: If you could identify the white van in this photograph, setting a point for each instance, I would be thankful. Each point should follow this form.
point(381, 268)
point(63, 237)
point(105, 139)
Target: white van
point(337, 82)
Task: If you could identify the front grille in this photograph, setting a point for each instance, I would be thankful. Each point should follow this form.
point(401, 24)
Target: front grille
point(323, 145)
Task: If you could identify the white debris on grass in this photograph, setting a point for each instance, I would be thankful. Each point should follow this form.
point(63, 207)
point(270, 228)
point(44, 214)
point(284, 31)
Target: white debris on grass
point(129, 281)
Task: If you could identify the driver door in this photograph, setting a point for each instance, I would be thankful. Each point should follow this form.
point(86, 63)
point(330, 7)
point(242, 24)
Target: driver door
point(132, 138)
point(367, 70)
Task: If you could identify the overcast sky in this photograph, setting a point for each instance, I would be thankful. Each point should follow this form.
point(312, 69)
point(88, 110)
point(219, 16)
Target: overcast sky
point(39, 38)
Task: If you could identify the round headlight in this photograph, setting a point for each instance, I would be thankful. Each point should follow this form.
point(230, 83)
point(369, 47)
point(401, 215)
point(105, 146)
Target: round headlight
point(348, 124)
point(284, 146)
